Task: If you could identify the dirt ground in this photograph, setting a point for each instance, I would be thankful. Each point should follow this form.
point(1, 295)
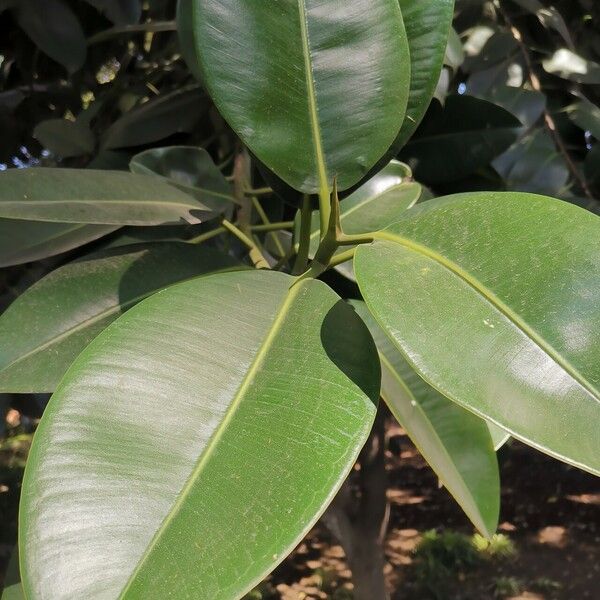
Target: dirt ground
point(550, 514)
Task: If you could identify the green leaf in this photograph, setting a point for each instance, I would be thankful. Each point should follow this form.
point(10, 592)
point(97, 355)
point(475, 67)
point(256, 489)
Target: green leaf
point(194, 443)
point(427, 25)
point(566, 64)
point(456, 140)
point(376, 204)
point(533, 165)
point(592, 166)
point(156, 119)
point(13, 592)
point(586, 116)
point(455, 55)
point(46, 327)
point(94, 197)
point(493, 299)
point(316, 90)
point(190, 169)
point(185, 34)
point(65, 138)
point(26, 241)
point(54, 28)
point(548, 17)
point(456, 444)
point(527, 105)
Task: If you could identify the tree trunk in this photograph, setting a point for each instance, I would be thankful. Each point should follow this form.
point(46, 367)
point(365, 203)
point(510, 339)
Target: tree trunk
point(358, 516)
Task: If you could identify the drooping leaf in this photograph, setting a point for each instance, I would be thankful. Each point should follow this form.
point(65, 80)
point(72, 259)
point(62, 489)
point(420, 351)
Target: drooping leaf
point(189, 168)
point(427, 24)
point(48, 325)
point(184, 442)
point(65, 138)
point(26, 241)
point(94, 197)
point(54, 28)
point(566, 64)
point(456, 140)
point(120, 12)
point(156, 119)
point(316, 90)
point(494, 299)
point(376, 204)
point(456, 443)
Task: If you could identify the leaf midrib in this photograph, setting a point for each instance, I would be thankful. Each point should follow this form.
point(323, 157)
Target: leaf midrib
point(496, 302)
point(247, 380)
point(312, 101)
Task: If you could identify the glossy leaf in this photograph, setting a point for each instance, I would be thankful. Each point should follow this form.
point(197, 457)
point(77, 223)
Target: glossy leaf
point(427, 24)
point(65, 138)
point(13, 592)
point(182, 442)
point(94, 197)
point(456, 140)
point(456, 444)
point(586, 116)
point(190, 169)
point(26, 241)
point(48, 325)
point(316, 90)
point(527, 105)
point(156, 119)
point(54, 28)
point(494, 299)
point(533, 165)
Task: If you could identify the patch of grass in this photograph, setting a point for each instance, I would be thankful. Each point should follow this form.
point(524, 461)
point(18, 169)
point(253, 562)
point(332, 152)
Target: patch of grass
point(507, 586)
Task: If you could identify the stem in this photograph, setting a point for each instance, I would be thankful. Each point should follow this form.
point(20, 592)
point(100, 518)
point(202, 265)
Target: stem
point(258, 259)
point(207, 236)
point(324, 210)
point(264, 191)
point(342, 257)
point(154, 26)
point(304, 246)
point(275, 226)
point(266, 223)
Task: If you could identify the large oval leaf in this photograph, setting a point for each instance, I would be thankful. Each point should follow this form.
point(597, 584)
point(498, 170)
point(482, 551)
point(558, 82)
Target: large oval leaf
point(94, 197)
point(427, 24)
point(46, 327)
point(26, 241)
point(316, 89)
point(456, 444)
point(196, 440)
point(190, 169)
point(495, 299)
